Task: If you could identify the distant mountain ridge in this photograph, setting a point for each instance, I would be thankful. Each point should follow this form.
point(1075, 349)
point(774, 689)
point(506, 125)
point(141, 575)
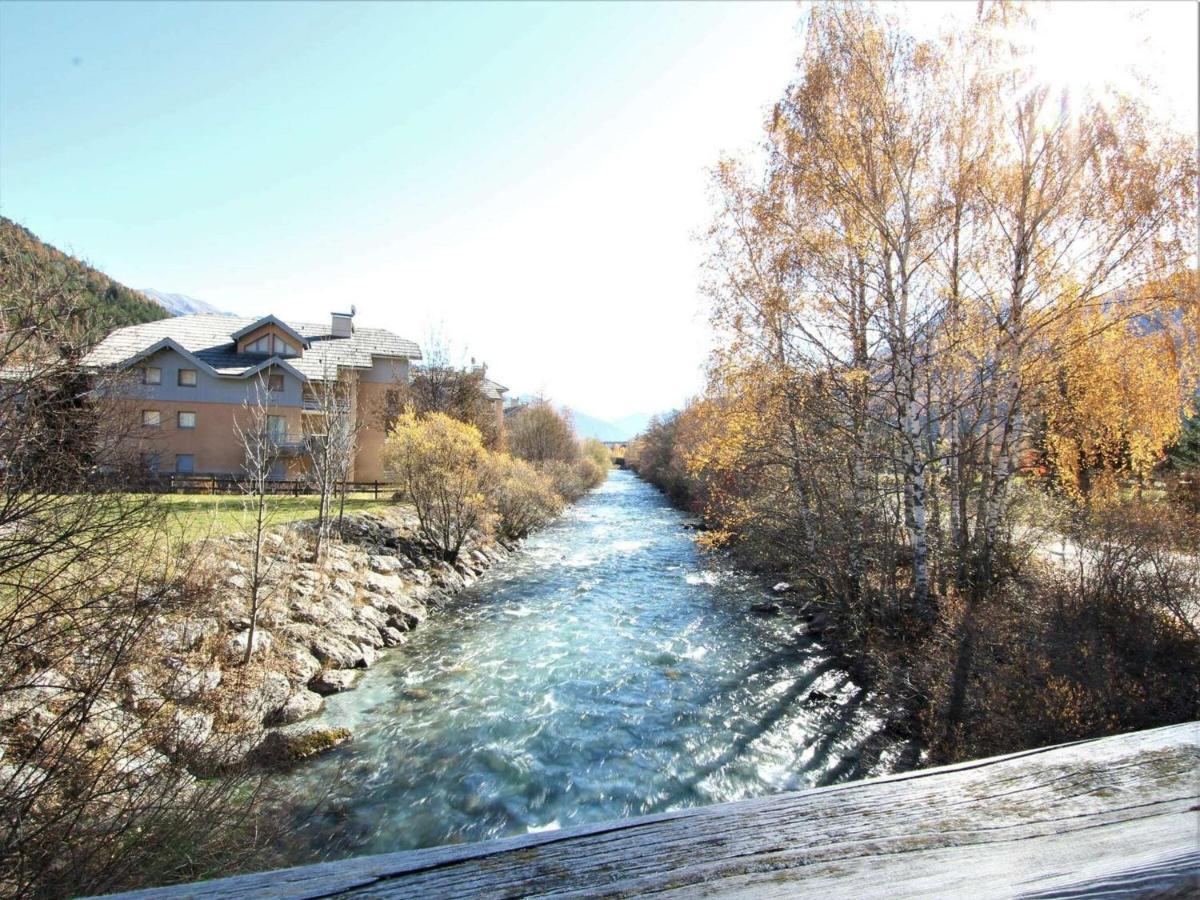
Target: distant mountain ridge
point(181, 304)
point(622, 429)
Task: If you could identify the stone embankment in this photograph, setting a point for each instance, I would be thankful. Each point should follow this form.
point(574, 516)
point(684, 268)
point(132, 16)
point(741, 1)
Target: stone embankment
point(319, 626)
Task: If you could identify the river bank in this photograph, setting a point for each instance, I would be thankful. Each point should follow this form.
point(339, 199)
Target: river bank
point(319, 628)
point(191, 700)
point(607, 668)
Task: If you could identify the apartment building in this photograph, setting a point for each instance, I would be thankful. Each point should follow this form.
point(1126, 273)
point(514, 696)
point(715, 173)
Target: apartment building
point(189, 379)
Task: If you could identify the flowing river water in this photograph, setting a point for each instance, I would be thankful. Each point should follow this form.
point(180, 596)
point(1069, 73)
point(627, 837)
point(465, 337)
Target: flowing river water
point(608, 669)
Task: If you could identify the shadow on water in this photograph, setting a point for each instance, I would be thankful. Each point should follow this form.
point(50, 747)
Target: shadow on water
point(608, 669)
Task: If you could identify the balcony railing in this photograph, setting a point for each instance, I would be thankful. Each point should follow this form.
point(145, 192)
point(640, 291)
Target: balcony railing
point(315, 405)
point(288, 444)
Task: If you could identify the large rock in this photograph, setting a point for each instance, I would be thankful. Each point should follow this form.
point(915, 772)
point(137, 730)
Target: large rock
point(108, 723)
point(419, 576)
point(384, 564)
point(182, 635)
point(336, 651)
point(227, 750)
point(405, 611)
point(357, 632)
point(318, 610)
point(296, 661)
point(392, 637)
point(186, 731)
point(368, 652)
point(255, 696)
point(37, 691)
point(188, 682)
point(342, 587)
point(283, 747)
point(142, 691)
point(386, 585)
point(302, 704)
point(235, 647)
point(371, 617)
point(335, 681)
point(341, 565)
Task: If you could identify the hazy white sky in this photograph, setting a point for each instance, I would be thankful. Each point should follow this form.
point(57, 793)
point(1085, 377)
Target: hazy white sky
point(527, 177)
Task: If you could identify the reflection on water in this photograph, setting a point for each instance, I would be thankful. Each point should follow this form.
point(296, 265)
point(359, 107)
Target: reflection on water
point(608, 669)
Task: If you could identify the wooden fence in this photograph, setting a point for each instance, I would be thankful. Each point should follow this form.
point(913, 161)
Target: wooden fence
point(176, 483)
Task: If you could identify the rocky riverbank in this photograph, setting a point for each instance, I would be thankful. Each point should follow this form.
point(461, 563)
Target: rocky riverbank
point(191, 698)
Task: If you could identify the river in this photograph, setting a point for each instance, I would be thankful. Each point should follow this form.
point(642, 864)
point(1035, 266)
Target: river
point(608, 669)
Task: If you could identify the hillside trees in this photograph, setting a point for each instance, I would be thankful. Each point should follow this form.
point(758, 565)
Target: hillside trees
point(88, 802)
point(539, 433)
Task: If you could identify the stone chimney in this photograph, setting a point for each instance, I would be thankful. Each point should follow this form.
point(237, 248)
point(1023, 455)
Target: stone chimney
point(343, 323)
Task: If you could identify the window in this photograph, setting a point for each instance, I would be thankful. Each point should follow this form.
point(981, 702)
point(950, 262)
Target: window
point(279, 470)
point(275, 383)
point(271, 344)
point(152, 375)
point(277, 427)
point(185, 463)
point(187, 420)
point(187, 377)
point(150, 462)
point(151, 418)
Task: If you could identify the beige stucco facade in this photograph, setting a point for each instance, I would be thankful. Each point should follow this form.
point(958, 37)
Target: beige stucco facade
point(212, 443)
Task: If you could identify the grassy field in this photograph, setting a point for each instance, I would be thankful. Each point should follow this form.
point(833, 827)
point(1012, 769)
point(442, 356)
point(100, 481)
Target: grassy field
point(195, 516)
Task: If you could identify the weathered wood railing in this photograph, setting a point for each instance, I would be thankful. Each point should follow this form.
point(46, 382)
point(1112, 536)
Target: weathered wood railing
point(1117, 816)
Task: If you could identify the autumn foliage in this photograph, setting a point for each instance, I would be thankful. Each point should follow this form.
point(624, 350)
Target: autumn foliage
point(459, 487)
point(945, 291)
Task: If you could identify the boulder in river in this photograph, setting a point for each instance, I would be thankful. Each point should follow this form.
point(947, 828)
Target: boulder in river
point(286, 746)
point(334, 681)
point(766, 609)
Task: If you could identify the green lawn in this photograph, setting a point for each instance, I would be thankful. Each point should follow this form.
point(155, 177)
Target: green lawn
point(194, 516)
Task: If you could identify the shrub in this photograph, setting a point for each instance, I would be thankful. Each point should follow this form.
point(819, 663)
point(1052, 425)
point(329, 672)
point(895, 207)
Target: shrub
point(565, 478)
point(523, 498)
point(598, 453)
point(540, 434)
point(443, 468)
point(591, 473)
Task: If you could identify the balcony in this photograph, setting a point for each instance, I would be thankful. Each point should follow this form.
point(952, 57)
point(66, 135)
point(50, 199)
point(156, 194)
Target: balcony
point(313, 405)
point(288, 444)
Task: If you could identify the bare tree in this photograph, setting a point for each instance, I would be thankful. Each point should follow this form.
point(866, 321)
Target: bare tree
point(260, 440)
point(330, 443)
point(88, 801)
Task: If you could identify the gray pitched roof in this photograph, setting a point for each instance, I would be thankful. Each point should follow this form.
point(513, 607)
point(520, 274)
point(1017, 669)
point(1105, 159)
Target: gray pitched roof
point(492, 390)
point(209, 338)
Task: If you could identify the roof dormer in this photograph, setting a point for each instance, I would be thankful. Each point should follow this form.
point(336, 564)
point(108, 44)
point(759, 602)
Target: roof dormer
point(269, 336)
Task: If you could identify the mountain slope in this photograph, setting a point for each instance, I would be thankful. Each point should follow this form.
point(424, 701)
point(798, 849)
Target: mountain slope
point(108, 303)
point(180, 304)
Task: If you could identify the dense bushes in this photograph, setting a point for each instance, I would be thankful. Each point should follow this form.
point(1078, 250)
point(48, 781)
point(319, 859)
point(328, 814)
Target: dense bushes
point(544, 437)
point(459, 487)
point(442, 468)
point(1100, 642)
point(524, 498)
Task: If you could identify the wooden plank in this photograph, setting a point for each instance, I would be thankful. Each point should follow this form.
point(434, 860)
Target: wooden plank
point(1117, 816)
